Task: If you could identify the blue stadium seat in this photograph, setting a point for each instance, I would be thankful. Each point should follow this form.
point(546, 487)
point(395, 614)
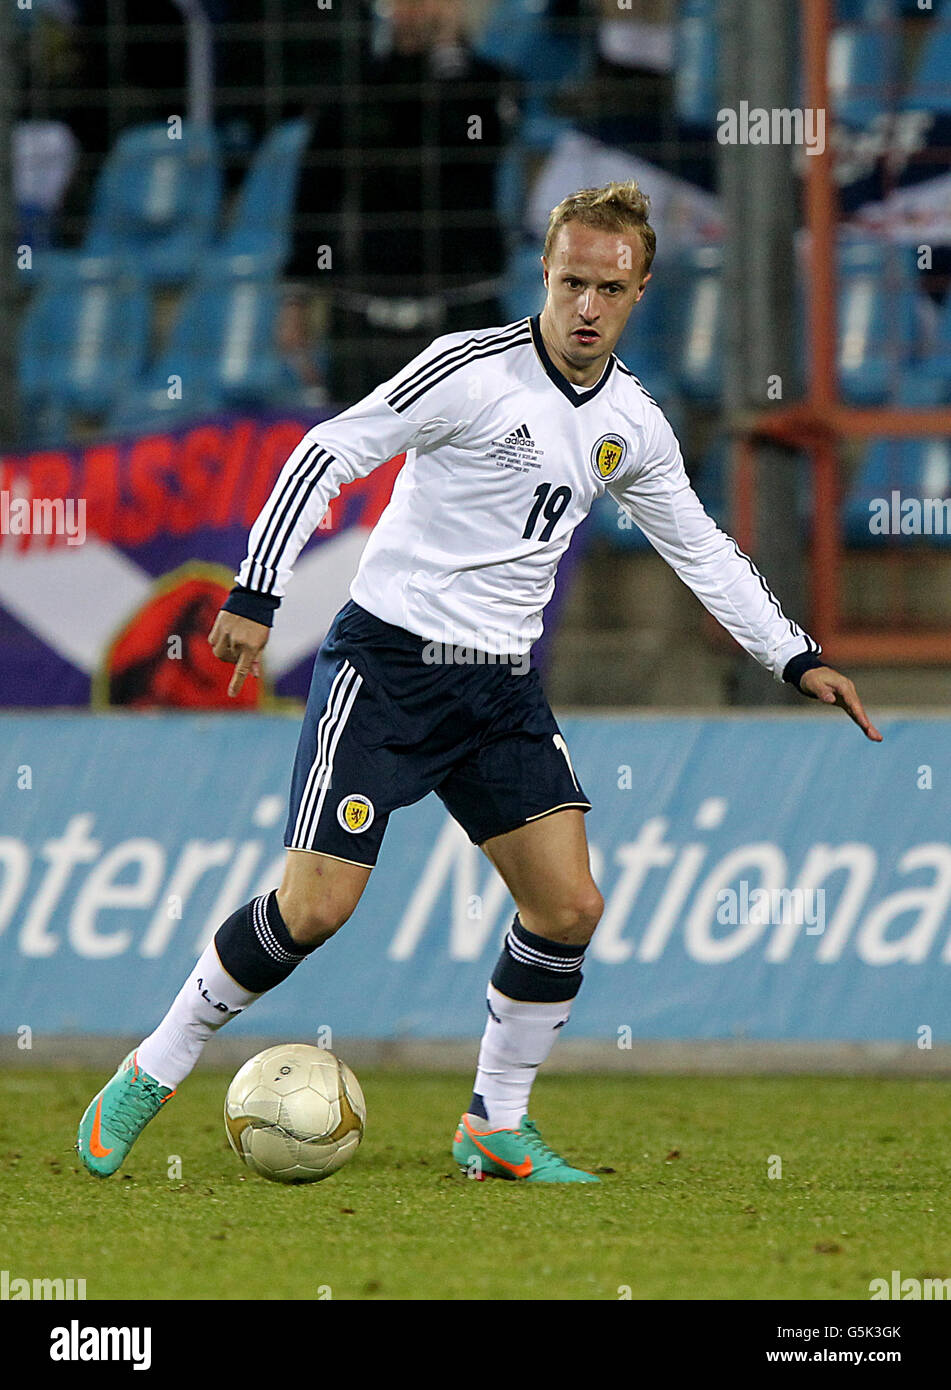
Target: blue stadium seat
point(539, 130)
point(222, 351)
point(524, 292)
point(861, 73)
point(865, 11)
point(520, 36)
point(84, 339)
point(656, 379)
point(646, 346)
point(241, 313)
point(697, 296)
point(864, 255)
point(936, 366)
point(915, 468)
point(511, 188)
point(917, 388)
point(695, 62)
point(878, 318)
point(711, 481)
point(931, 88)
point(262, 220)
point(155, 205)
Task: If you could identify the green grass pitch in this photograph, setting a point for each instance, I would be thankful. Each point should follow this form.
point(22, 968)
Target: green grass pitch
point(686, 1207)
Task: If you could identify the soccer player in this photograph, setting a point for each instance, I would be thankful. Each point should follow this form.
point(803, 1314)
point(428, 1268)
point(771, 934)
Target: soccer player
point(424, 684)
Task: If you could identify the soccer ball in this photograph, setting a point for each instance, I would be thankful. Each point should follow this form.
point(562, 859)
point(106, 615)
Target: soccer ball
point(295, 1113)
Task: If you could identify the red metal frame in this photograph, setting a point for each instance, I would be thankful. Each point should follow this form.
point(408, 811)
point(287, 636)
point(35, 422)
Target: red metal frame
point(820, 422)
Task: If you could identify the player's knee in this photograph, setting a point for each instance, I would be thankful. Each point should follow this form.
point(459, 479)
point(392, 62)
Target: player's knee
point(312, 921)
point(577, 916)
point(587, 907)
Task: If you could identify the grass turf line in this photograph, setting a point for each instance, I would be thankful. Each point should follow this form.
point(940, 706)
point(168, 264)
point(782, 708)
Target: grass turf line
point(688, 1211)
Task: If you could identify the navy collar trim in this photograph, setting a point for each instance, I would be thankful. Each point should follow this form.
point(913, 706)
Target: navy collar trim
point(560, 380)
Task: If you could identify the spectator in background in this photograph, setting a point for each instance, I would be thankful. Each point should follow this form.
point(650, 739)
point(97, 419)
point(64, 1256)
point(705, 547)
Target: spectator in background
point(96, 67)
point(638, 37)
point(627, 102)
point(399, 183)
point(44, 160)
point(132, 52)
point(626, 97)
point(275, 67)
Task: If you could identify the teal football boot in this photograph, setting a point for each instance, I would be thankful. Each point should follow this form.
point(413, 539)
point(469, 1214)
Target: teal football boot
point(116, 1117)
point(516, 1154)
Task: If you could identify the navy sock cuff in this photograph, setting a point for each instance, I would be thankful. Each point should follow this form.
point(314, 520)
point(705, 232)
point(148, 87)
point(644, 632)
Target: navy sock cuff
point(538, 971)
point(255, 947)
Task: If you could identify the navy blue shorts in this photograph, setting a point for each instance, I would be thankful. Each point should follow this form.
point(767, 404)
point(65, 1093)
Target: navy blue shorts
point(384, 727)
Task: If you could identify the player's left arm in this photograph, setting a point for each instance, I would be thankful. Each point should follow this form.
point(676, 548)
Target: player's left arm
point(656, 493)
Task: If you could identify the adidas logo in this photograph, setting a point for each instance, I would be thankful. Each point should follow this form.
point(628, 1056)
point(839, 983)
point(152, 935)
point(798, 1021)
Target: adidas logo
point(517, 450)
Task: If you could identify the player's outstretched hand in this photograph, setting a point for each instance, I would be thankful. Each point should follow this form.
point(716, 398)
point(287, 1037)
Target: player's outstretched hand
point(832, 688)
point(239, 641)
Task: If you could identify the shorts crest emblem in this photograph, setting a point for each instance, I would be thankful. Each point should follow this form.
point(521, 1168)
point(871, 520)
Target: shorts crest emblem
point(355, 814)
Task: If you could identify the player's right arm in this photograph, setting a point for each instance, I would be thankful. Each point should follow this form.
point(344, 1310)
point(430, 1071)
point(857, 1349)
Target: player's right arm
point(414, 409)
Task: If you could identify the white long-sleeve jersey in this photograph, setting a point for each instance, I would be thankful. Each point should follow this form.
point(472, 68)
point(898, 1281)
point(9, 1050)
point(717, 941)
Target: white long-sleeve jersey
point(505, 457)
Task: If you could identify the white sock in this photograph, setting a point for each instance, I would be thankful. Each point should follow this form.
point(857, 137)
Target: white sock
point(207, 1000)
point(517, 1039)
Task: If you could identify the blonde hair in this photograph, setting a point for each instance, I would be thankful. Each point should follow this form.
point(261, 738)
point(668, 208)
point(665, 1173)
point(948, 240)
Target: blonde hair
point(617, 207)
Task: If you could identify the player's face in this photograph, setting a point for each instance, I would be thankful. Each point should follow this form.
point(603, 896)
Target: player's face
point(594, 279)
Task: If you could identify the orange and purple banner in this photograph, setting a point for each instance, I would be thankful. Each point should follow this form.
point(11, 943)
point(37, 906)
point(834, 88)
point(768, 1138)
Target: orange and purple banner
point(115, 557)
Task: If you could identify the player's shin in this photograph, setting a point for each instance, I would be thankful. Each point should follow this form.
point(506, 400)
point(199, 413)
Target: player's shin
point(529, 1001)
point(251, 953)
